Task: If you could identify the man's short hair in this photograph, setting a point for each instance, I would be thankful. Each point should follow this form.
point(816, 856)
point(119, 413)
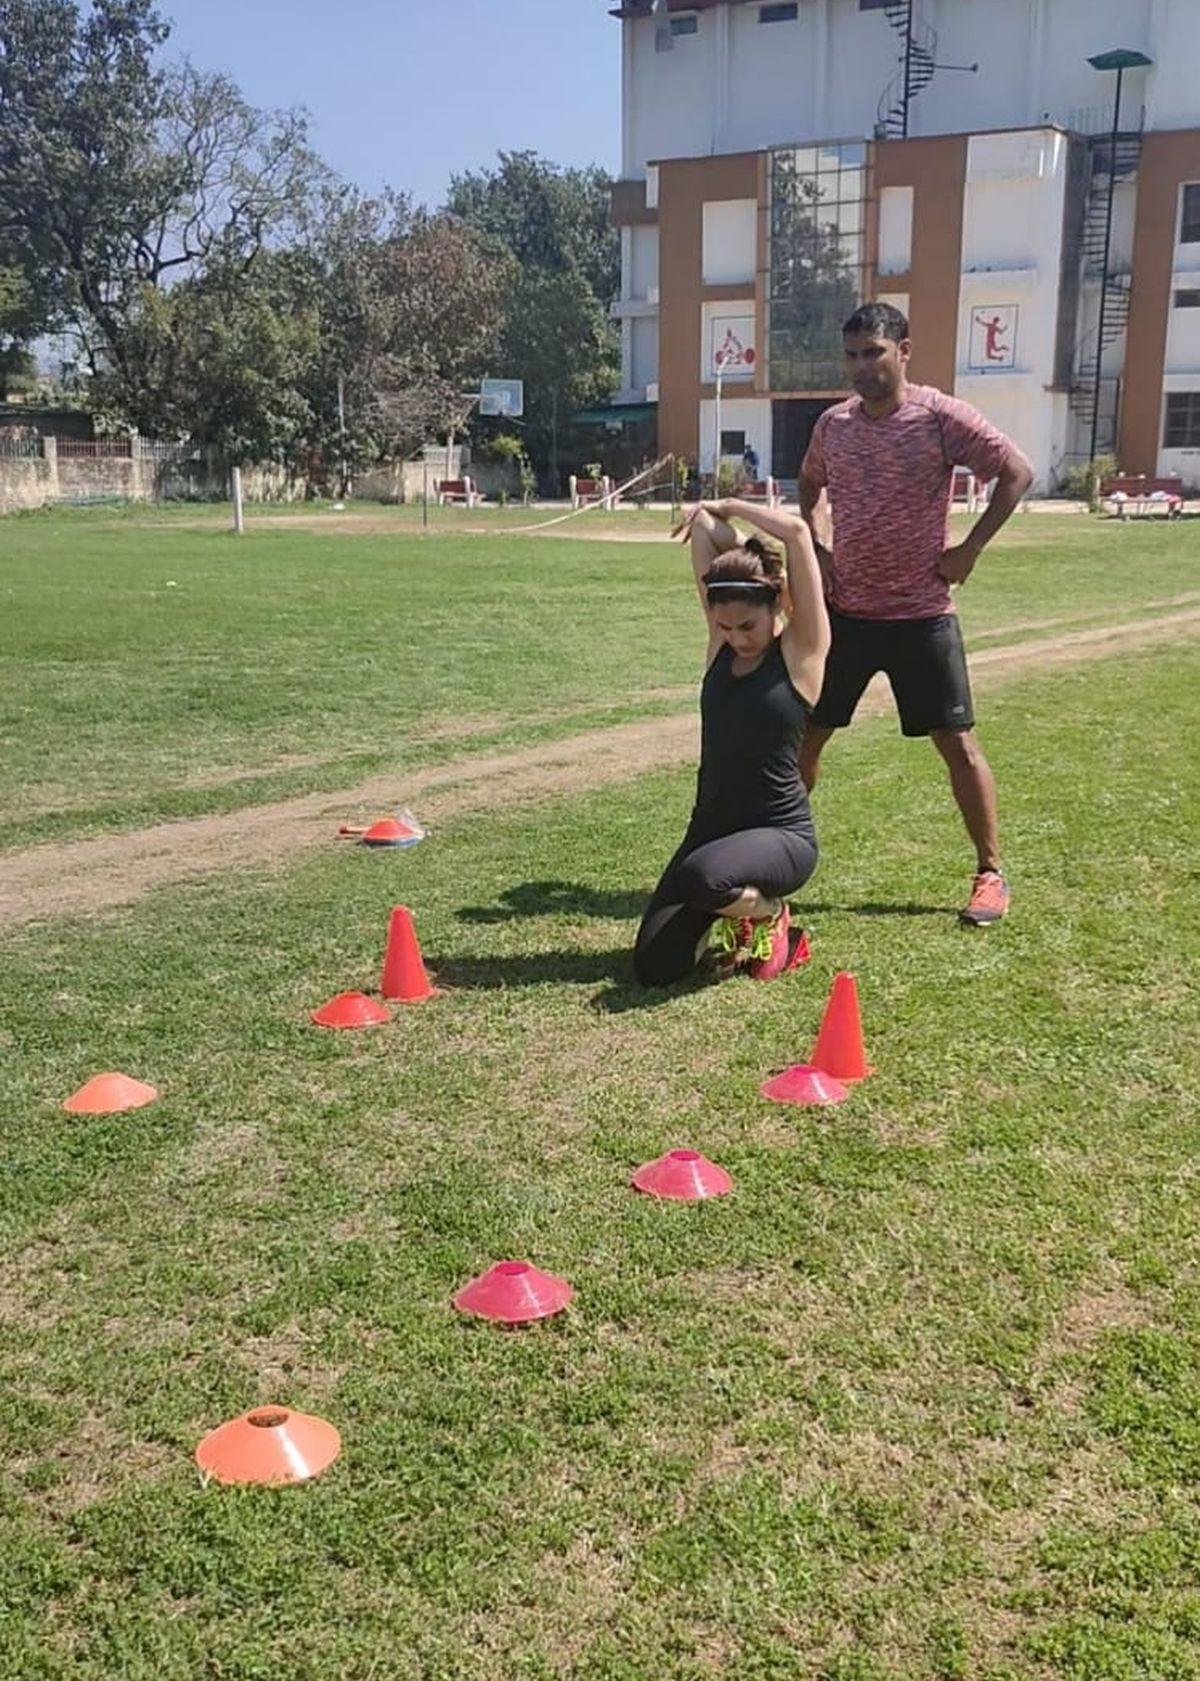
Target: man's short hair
point(881, 320)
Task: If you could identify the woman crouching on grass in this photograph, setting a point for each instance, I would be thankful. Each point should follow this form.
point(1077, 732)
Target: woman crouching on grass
point(750, 840)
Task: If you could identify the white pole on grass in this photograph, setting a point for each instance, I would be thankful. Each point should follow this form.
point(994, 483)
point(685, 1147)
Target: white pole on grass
point(239, 524)
point(720, 361)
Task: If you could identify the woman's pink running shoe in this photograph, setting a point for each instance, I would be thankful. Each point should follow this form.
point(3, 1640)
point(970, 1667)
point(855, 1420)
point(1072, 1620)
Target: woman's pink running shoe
point(775, 934)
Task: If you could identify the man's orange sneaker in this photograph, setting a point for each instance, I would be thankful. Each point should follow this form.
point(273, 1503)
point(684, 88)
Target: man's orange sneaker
point(988, 902)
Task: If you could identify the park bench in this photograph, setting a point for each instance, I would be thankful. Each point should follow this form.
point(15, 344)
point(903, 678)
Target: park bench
point(458, 490)
point(586, 491)
point(1135, 492)
point(762, 490)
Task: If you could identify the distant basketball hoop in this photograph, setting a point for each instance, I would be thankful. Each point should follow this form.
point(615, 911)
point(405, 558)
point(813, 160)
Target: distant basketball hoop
point(502, 397)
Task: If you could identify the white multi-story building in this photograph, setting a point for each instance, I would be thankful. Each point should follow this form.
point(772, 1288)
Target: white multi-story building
point(782, 162)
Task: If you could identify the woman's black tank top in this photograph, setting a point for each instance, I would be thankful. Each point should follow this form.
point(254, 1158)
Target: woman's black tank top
point(750, 734)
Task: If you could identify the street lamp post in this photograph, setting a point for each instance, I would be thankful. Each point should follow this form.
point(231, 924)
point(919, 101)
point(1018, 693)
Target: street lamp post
point(1120, 59)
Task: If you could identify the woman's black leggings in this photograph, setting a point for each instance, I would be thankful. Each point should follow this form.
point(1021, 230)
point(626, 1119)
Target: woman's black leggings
point(699, 880)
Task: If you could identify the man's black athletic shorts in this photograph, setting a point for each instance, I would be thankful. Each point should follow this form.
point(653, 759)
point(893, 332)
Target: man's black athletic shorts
point(923, 660)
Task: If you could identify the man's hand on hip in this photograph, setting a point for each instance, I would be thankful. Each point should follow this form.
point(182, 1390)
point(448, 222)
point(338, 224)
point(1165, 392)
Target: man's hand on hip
point(957, 564)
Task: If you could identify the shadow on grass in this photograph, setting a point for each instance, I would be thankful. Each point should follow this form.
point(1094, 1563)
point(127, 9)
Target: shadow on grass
point(555, 898)
point(873, 907)
point(571, 898)
point(610, 971)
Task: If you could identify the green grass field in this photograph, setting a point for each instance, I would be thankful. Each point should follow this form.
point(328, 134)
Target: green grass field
point(151, 670)
point(919, 1401)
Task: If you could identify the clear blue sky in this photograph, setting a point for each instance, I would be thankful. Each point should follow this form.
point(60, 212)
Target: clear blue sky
point(409, 92)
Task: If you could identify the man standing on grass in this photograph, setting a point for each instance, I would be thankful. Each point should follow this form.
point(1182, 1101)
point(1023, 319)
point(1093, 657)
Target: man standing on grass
point(887, 459)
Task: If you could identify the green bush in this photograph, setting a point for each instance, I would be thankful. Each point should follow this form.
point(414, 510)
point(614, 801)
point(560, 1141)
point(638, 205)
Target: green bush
point(1083, 480)
point(503, 448)
point(727, 479)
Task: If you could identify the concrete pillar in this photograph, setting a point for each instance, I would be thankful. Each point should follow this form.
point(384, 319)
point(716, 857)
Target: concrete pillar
point(50, 457)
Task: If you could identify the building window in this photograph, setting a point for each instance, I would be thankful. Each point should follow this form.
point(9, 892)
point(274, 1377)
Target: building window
point(777, 14)
point(1189, 220)
point(1182, 429)
point(688, 24)
point(733, 443)
point(817, 261)
point(1188, 297)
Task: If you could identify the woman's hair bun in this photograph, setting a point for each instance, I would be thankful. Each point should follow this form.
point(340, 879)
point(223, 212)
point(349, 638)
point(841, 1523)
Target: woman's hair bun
point(769, 557)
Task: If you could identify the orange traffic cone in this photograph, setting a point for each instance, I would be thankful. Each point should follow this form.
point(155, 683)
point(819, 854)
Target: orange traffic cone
point(269, 1445)
point(839, 1048)
point(404, 977)
point(107, 1094)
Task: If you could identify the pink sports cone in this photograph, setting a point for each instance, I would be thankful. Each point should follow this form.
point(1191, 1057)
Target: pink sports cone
point(351, 1009)
point(802, 1083)
point(513, 1293)
point(684, 1176)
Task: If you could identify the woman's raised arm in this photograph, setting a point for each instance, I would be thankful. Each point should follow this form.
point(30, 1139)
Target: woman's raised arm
point(806, 638)
point(708, 536)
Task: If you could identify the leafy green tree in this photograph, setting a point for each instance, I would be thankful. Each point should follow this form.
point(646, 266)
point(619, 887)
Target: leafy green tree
point(22, 319)
point(119, 178)
point(562, 275)
point(547, 217)
point(557, 337)
point(409, 305)
point(351, 344)
point(221, 358)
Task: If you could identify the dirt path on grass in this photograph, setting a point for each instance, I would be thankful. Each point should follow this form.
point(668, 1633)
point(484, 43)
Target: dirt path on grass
point(81, 877)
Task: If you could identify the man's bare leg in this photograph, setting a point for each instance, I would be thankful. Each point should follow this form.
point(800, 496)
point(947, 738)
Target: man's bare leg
point(974, 790)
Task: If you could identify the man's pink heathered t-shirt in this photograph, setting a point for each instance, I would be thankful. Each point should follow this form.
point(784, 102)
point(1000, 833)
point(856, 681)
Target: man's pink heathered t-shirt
point(889, 490)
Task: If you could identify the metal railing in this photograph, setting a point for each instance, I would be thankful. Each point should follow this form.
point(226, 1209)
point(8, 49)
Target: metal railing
point(94, 449)
point(98, 449)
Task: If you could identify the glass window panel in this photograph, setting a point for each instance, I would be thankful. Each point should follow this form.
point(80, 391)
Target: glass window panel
point(850, 218)
point(816, 262)
point(1182, 430)
point(1189, 221)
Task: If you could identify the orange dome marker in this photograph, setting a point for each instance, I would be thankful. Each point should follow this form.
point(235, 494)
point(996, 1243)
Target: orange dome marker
point(391, 831)
point(269, 1445)
point(351, 1009)
point(400, 830)
point(839, 1048)
point(404, 978)
point(107, 1094)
